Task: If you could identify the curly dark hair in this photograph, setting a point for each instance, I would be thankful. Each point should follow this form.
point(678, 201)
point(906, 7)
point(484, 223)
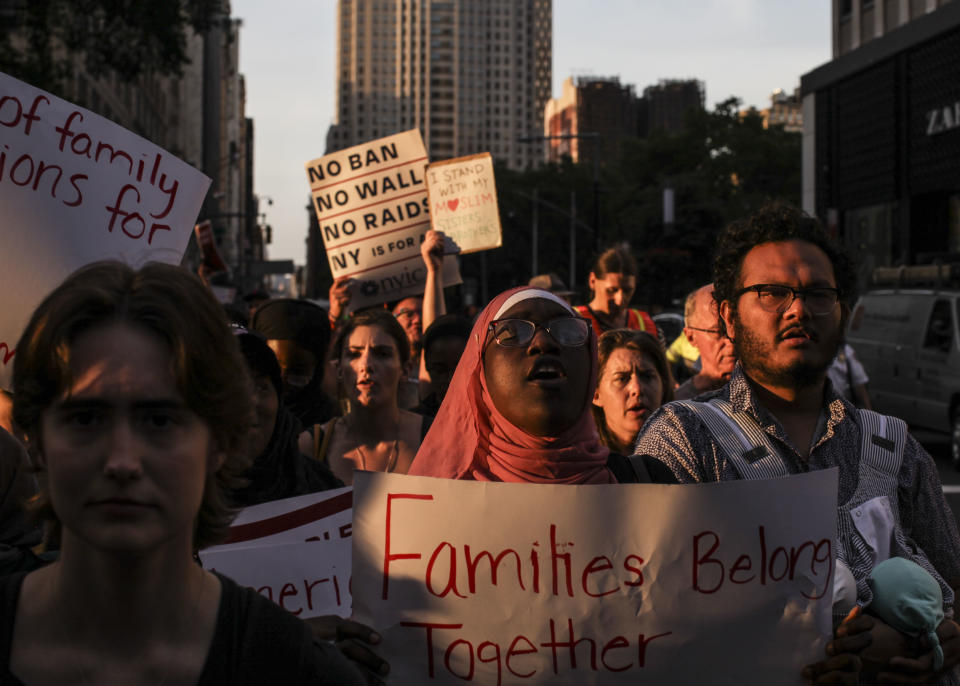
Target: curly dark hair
point(772, 223)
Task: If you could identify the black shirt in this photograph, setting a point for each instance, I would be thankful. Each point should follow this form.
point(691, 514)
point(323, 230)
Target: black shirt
point(255, 642)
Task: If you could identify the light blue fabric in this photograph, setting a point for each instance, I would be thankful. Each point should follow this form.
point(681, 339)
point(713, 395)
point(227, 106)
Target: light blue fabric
point(909, 599)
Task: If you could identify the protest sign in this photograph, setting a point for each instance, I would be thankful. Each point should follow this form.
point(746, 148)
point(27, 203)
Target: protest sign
point(210, 256)
point(307, 579)
point(495, 583)
point(463, 201)
point(76, 188)
point(294, 551)
point(326, 516)
point(371, 203)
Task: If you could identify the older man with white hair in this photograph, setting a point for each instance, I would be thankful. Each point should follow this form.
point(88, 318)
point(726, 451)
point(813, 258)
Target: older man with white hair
point(702, 329)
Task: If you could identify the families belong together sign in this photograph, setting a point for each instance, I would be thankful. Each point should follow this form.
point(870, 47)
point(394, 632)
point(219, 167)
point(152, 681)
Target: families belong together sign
point(495, 583)
point(76, 188)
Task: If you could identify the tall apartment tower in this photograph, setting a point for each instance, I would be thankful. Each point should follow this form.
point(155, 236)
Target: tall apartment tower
point(665, 105)
point(472, 75)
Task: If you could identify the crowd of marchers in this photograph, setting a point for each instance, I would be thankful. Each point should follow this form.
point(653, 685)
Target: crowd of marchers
point(144, 414)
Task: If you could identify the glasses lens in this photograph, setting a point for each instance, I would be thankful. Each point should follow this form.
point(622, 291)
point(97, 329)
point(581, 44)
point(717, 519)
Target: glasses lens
point(775, 298)
point(513, 333)
point(820, 300)
point(569, 330)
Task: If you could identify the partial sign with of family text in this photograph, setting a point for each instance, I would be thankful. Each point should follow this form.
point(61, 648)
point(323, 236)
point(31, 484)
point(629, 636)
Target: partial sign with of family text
point(499, 583)
point(463, 202)
point(76, 188)
point(371, 204)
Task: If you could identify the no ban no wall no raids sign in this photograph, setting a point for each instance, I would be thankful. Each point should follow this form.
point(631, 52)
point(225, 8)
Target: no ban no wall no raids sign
point(371, 204)
point(76, 188)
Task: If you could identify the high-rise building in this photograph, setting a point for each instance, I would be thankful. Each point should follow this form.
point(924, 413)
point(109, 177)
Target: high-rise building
point(472, 75)
point(664, 106)
point(590, 118)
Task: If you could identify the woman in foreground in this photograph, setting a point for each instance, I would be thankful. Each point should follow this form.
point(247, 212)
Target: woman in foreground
point(134, 397)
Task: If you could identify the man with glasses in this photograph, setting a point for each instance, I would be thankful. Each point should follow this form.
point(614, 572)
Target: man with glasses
point(702, 330)
point(784, 291)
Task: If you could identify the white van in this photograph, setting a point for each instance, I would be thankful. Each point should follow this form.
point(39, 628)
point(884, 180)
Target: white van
point(907, 340)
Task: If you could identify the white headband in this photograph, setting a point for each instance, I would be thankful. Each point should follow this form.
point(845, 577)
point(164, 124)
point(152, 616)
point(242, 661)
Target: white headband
point(529, 293)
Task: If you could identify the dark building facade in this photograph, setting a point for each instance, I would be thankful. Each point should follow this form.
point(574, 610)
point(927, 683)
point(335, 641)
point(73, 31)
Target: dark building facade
point(881, 151)
point(664, 106)
point(602, 108)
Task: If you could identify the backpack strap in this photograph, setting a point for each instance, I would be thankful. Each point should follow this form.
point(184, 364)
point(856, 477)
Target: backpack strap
point(744, 442)
point(882, 441)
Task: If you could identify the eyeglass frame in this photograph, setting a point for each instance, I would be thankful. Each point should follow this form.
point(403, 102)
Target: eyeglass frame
point(716, 331)
point(536, 326)
point(795, 293)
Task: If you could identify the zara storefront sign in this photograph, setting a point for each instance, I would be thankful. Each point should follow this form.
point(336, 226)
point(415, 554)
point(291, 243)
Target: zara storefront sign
point(943, 119)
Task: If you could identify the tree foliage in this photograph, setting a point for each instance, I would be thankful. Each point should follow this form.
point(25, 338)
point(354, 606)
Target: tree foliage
point(39, 39)
point(721, 167)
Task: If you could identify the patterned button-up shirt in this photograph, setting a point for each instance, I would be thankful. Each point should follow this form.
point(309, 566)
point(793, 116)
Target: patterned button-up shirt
point(676, 437)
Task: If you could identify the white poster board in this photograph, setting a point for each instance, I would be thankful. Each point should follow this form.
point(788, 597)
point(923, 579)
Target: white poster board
point(463, 202)
point(294, 551)
point(76, 188)
point(371, 203)
point(496, 583)
point(308, 579)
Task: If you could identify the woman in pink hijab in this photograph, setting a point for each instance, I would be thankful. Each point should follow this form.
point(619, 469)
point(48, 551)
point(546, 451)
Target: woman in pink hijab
point(518, 407)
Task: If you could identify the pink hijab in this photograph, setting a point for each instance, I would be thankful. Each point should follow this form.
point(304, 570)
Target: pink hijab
point(471, 440)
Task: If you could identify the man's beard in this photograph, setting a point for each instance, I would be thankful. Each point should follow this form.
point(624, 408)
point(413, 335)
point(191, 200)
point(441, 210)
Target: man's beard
point(754, 359)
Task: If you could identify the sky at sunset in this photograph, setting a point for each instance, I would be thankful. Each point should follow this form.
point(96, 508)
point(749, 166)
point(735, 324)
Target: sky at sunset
point(745, 48)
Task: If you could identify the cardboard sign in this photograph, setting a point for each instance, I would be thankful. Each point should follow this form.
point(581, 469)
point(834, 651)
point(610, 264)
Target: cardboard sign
point(294, 551)
point(371, 203)
point(463, 202)
point(76, 188)
point(494, 583)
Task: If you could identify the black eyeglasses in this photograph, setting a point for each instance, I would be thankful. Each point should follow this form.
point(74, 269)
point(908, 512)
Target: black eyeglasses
point(715, 332)
point(517, 333)
point(775, 298)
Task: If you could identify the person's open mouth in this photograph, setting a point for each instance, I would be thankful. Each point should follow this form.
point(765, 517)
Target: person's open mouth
point(547, 372)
